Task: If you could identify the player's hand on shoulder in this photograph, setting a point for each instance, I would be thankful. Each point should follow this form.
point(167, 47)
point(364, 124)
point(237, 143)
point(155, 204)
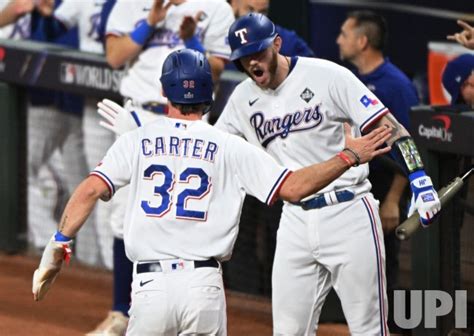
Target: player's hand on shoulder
point(118, 119)
point(51, 262)
point(365, 148)
point(424, 198)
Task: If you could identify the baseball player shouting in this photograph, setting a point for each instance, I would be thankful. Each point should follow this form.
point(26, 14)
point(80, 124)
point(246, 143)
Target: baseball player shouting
point(188, 181)
point(294, 108)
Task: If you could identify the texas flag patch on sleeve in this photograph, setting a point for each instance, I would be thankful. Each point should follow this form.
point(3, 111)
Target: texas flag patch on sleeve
point(366, 101)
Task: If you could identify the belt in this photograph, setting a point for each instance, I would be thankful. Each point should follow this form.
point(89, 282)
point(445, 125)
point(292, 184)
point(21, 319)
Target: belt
point(155, 107)
point(328, 198)
point(155, 266)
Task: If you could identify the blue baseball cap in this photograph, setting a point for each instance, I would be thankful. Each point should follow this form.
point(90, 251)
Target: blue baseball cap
point(455, 73)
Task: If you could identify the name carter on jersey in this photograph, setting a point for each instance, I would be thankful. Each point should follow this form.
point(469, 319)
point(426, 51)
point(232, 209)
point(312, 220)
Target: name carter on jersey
point(268, 130)
point(184, 147)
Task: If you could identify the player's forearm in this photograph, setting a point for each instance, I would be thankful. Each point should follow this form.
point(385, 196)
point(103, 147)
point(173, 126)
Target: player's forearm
point(6, 18)
point(397, 188)
point(9, 14)
point(397, 129)
point(309, 180)
point(404, 150)
point(80, 205)
point(120, 50)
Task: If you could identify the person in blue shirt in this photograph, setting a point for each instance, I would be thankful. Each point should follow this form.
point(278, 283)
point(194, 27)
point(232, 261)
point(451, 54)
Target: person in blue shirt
point(361, 42)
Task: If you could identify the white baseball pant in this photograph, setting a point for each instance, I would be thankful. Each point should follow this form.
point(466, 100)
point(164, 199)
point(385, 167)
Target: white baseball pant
point(178, 301)
point(338, 246)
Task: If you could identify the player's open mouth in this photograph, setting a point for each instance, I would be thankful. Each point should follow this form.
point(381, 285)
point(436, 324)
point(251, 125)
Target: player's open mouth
point(257, 73)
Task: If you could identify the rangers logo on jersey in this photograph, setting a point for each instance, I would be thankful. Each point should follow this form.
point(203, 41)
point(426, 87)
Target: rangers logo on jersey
point(269, 130)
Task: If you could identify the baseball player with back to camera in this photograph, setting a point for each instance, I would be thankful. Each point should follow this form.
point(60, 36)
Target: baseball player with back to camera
point(56, 159)
point(140, 35)
point(188, 181)
point(294, 108)
point(86, 17)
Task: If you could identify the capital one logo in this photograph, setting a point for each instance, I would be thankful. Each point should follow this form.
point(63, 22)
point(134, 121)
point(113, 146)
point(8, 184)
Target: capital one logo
point(436, 303)
point(439, 133)
point(241, 33)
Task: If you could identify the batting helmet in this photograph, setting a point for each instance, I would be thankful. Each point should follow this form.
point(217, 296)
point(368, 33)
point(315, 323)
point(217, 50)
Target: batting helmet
point(250, 34)
point(186, 77)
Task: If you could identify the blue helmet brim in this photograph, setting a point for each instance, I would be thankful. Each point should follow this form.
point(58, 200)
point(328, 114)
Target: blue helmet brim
point(252, 48)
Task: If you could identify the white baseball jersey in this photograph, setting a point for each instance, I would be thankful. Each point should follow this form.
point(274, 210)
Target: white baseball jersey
point(85, 15)
point(301, 122)
point(142, 80)
point(19, 30)
point(188, 181)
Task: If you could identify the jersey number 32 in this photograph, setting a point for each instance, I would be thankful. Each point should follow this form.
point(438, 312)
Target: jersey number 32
point(167, 186)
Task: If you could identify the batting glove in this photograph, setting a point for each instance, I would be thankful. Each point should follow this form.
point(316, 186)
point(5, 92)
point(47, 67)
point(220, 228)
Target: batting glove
point(118, 119)
point(51, 262)
point(424, 198)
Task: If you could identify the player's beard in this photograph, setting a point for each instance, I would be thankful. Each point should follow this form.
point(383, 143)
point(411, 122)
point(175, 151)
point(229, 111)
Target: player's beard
point(272, 72)
point(272, 68)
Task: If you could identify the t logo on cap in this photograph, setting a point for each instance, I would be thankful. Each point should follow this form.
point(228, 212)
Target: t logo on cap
point(241, 33)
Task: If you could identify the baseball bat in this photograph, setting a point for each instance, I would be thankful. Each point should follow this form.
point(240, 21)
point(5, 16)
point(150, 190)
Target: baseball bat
point(445, 194)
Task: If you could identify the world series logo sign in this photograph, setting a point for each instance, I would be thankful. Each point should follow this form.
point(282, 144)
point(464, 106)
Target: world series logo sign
point(90, 76)
point(68, 73)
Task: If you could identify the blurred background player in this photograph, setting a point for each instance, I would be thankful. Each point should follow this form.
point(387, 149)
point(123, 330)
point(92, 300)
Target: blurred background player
point(458, 80)
point(140, 35)
point(362, 42)
point(85, 16)
point(56, 160)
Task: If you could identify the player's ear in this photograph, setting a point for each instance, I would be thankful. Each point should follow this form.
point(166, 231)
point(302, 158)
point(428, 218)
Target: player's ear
point(277, 43)
point(363, 42)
